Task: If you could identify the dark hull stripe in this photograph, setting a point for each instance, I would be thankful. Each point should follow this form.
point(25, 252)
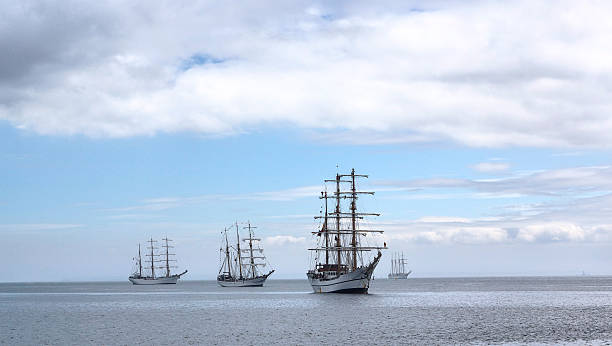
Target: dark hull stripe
point(157, 283)
point(338, 283)
point(352, 290)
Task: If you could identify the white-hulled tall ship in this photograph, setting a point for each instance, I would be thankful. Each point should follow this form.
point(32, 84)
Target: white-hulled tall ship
point(342, 263)
point(152, 263)
point(398, 267)
point(239, 266)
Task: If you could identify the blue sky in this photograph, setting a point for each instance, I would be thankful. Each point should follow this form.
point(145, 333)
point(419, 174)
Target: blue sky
point(488, 146)
point(90, 201)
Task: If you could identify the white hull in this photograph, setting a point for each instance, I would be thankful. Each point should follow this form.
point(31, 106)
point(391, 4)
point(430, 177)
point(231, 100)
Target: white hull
point(257, 282)
point(253, 282)
point(163, 280)
point(357, 281)
point(352, 282)
point(399, 276)
point(156, 281)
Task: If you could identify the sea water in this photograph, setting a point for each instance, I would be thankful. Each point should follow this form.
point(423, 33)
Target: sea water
point(541, 310)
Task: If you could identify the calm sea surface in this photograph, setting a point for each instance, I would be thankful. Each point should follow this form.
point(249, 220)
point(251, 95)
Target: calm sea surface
point(541, 310)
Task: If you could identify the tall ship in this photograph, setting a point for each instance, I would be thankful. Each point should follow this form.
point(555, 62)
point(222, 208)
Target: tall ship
point(343, 263)
point(398, 267)
point(146, 274)
point(242, 266)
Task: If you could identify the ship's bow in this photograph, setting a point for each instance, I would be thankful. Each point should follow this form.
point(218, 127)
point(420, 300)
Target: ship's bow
point(356, 281)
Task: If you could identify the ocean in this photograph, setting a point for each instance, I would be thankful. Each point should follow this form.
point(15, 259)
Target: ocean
point(496, 310)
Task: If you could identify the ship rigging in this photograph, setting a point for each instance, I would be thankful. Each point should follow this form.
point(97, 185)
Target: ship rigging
point(239, 266)
point(341, 264)
point(152, 263)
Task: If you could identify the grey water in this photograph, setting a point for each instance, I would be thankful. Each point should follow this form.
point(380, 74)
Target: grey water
point(497, 310)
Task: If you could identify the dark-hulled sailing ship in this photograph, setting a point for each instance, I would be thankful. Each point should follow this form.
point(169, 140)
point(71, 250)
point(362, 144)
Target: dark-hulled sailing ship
point(240, 265)
point(146, 275)
point(343, 264)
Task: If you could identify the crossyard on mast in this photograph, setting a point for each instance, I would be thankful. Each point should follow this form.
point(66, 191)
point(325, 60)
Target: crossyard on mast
point(228, 270)
point(398, 264)
point(152, 257)
point(346, 240)
point(246, 258)
point(168, 254)
point(252, 272)
point(139, 262)
point(238, 251)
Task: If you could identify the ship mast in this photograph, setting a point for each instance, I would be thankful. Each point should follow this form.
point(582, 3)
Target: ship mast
point(397, 262)
point(338, 244)
point(253, 274)
point(352, 246)
point(168, 260)
point(239, 255)
point(326, 231)
point(353, 215)
point(139, 262)
point(227, 254)
point(251, 252)
point(152, 255)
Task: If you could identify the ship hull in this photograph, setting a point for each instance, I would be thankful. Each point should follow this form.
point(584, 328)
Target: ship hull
point(252, 282)
point(156, 281)
point(163, 280)
point(352, 282)
point(357, 281)
point(399, 276)
point(257, 282)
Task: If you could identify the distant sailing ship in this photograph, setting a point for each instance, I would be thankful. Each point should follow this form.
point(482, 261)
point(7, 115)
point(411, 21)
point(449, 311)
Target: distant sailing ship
point(340, 258)
point(398, 267)
point(152, 262)
point(239, 266)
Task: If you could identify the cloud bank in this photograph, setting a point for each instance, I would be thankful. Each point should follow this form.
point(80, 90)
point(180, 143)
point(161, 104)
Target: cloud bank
point(482, 74)
point(576, 207)
point(280, 240)
point(504, 231)
point(491, 167)
point(572, 181)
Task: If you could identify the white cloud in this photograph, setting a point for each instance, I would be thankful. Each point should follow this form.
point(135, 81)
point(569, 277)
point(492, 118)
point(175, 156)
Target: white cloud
point(443, 219)
point(581, 218)
point(133, 216)
point(491, 167)
point(472, 73)
point(478, 235)
point(552, 232)
point(164, 203)
point(572, 205)
point(280, 195)
point(37, 226)
point(280, 240)
point(498, 230)
point(454, 235)
point(290, 216)
point(566, 181)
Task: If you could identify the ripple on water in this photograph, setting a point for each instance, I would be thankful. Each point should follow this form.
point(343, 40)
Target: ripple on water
point(425, 311)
